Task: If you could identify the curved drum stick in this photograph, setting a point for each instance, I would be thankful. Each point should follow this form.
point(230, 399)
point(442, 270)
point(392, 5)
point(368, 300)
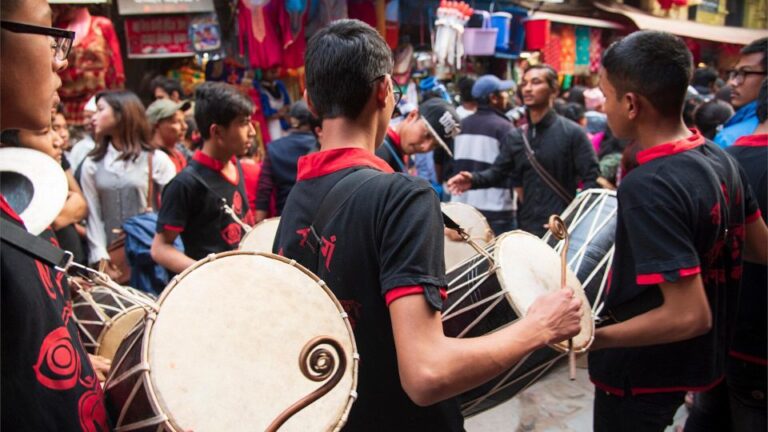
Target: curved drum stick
point(560, 231)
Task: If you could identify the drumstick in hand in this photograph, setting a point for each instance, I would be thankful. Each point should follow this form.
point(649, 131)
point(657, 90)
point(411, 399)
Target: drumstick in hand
point(560, 231)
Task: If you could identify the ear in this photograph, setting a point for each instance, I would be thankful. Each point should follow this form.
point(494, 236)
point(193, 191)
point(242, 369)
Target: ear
point(310, 105)
point(631, 102)
point(413, 115)
point(382, 91)
point(214, 131)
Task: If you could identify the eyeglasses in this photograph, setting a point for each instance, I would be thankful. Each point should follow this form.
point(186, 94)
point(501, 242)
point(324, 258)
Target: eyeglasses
point(395, 89)
point(739, 75)
point(61, 40)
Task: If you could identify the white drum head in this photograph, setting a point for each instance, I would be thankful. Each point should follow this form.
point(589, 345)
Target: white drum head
point(474, 223)
point(530, 268)
point(261, 237)
point(224, 348)
point(34, 185)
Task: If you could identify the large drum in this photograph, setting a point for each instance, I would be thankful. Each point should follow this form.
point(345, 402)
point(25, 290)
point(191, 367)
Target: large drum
point(261, 237)
point(492, 291)
point(591, 221)
point(104, 316)
point(474, 223)
point(222, 353)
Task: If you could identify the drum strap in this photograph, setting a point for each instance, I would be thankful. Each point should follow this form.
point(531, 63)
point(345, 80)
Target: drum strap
point(550, 181)
point(34, 246)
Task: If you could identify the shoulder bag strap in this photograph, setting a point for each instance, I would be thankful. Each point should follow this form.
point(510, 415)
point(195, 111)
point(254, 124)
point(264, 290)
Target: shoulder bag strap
point(150, 184)
point(550, 181)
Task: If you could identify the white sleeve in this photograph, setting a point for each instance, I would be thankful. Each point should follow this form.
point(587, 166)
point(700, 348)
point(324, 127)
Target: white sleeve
point(95, 231)
point(163, 170)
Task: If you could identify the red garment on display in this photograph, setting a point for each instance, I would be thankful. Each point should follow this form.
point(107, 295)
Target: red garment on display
point(265, 32)
point(363, 10)
point(95, 64)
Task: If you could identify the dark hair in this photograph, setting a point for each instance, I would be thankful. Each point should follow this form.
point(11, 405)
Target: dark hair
point(342, 62)
point(653, 64)
point(576, 95)
point(10, 137)
point(551, 76)
point(703, 77)
point(757, 46)
point(169, 85)
point(572, 111)
point(465, 89)
point(219, 103)
point(762, 102)
point(60, 109)
point(710, 115)
point(132, 127)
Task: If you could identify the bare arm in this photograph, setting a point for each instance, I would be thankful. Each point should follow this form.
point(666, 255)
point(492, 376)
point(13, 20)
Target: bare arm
point(434, 367)
point(684, 314)
point(75, 208)
point(168, 256)
point(756, 247)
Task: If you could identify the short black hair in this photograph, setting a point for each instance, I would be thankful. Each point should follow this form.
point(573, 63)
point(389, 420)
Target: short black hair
point(656, 65)
point(704, 77)
point(343, 61)
point(711, 114)
point(572, 111)
point(551, 76)
point(10, 137)
point(170, 85)
point(757, 46)
point(762, 102)
point(576, 95)
point(219, 103)
point(465, 89)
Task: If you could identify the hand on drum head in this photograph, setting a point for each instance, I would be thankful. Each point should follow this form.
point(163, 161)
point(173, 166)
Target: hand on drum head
point(460, 183)
point(452, 235)
point(557, 315)
point(100, 365)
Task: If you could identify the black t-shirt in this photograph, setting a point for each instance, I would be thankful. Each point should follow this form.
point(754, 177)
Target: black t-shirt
point(681, 213)
point(390, 152)
point(48, 383)
point(387, 236)
point(193, 210)
point(751, 331)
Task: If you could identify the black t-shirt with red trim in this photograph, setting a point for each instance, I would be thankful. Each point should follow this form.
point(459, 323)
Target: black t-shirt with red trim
point(48, 383)
point(681, 213)
point(391, 152)
point(750, 338)
point(195, 212)
point(385, 241)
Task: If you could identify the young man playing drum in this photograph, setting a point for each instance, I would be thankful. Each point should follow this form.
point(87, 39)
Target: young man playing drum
point(48, 382)
point(192, 201)
point(683, 215)
point(381, 251)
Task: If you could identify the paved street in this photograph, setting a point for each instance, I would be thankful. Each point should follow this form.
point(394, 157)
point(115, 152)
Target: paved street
point(553, 404)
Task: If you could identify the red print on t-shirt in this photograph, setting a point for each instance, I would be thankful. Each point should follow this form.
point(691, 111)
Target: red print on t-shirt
point(232, 234)
point(58, 364)
point(237, 202)
point(93, 416)
point(327, 250)
point(45, 277)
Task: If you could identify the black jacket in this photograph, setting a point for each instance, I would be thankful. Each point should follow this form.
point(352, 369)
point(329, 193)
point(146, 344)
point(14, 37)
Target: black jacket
point(562, 148)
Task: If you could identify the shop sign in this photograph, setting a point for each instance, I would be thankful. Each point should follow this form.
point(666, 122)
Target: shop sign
point(158, 37)
point(149, 7)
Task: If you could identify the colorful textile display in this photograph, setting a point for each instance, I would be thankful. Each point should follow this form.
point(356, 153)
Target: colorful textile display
point(567, 50)
point(582, 50)
point(595, 49)
point(322, 12)
point(552, 51)
point(266, 33)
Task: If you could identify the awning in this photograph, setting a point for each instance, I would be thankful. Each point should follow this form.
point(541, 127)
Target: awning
point(723, 34)
point(576, 20)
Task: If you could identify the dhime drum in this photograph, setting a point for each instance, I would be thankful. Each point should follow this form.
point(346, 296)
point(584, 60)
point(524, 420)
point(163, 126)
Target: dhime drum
point(591, 222)
point(261, 237)
point(491, 291)
point(237, 339)
point(474, 223)
point(104, 316)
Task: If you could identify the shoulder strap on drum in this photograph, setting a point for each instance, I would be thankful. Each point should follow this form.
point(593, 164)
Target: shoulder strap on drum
point(34, 246)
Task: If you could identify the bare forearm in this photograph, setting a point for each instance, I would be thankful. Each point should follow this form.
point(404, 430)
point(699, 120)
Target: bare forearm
point(651, 328)
point(756, 248)
point(170, 257)
point(75, 209)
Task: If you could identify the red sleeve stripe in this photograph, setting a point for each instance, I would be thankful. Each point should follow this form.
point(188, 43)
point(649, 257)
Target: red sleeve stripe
point(657, 278)
point(748, 358)
point(606, 388)
point(754, 216)
point(396, 293)
point(173, 228)
point(653, 390)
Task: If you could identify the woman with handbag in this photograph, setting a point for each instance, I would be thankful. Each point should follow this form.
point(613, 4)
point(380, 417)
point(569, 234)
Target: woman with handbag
point(119, 177)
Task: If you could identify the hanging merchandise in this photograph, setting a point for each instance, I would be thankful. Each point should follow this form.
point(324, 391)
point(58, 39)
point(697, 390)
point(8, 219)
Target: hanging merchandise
point(449, 45)
point(158, 37)
point(363, 10)
point(265, 34)
point(582, 51)
point(392, 23)
point(481, 41)
point(322, 12)
point(537, 34)
point(567, 50)
point(205, 34)
point(95, 62)
point(502, 21)
point(552, 51)
point(595, 49)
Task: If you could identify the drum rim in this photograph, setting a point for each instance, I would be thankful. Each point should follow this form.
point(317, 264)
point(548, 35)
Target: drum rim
point(256, 228)
point(150, 320)
point(491, 236)
point(561, 346)
point(107, 327)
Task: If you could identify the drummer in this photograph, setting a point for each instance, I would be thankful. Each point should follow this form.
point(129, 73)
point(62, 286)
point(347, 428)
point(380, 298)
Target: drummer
point(192, 201)
point(683, 215)
point(382, 252)
point(48, 382)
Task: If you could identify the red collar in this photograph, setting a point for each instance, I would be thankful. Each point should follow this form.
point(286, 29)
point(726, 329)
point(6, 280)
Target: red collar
point(670, 148)
point(209, 162)
point(329, 161)
point(757, 140)
point(395, 137)
point(7, 209)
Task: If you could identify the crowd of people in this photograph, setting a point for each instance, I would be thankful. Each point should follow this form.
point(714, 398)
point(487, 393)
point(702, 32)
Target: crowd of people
point(690, 237)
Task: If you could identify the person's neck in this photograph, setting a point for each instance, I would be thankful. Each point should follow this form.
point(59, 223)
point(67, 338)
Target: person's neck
point(657, 132)
point(116, 143)
point(158, 142)
point(469, 106)
point(342, 132)
point(536, 113)
point(211, 150)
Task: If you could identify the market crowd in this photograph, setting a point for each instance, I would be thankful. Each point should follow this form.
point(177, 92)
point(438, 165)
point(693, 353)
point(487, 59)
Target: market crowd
point(184, 176)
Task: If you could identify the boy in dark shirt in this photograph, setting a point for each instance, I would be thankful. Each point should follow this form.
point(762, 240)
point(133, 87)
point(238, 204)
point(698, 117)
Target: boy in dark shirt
point(192, 201)
point(683, 214)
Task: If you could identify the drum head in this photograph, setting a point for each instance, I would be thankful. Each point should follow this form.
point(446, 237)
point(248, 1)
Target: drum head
point(224, 349)
point(530, 268)
point(122, 324)
point(261, 237)
point(474, 223)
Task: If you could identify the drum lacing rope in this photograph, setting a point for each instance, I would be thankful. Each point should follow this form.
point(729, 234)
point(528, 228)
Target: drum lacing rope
point(499, 297)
